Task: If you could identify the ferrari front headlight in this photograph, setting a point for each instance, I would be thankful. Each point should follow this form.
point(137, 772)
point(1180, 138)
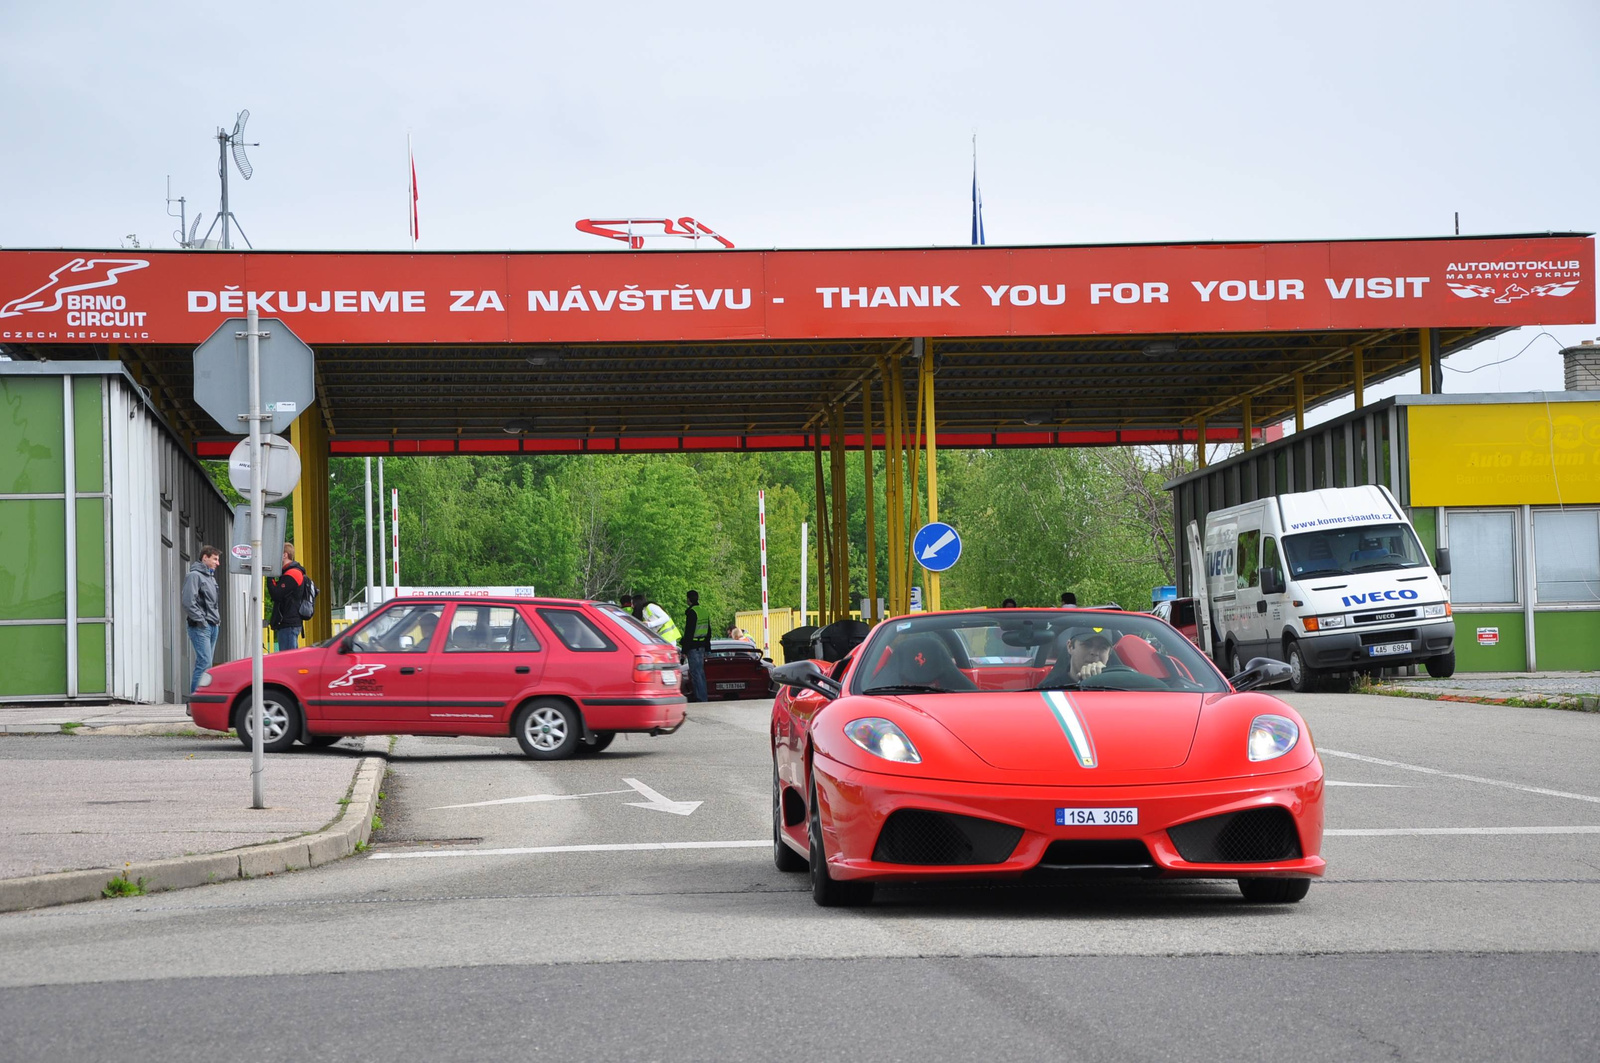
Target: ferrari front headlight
point(883, 739)
point(1272, 736)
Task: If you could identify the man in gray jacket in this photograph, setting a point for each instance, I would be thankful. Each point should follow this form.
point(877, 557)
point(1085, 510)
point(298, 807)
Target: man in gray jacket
point(200, 609)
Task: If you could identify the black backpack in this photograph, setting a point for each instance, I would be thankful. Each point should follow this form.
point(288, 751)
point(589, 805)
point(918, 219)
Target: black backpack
point(308, 599)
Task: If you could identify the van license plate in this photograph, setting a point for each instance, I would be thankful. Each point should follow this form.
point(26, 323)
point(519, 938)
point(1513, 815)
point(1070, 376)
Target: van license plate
point(1388, 647)
point(1097, 817)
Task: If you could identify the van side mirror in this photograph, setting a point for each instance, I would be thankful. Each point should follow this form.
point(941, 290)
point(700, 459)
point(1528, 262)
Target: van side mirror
point(1441, 561)
point(1272, 581)
point(1260, 672)
point(807, 675)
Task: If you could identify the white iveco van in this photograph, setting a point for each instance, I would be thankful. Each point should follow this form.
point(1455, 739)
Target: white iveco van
point(1329, 581)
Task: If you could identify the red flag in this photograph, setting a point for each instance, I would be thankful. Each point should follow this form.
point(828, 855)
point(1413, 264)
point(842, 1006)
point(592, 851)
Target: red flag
point(415, 231)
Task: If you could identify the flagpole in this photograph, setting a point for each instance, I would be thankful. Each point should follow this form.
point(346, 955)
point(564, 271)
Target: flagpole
point(411, 192)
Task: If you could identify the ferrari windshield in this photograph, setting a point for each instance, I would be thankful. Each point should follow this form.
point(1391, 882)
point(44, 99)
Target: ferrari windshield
point(1346, 551)
point(1030, 649)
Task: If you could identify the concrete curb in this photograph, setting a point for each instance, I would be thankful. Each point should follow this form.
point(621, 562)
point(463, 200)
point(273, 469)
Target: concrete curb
point(1567, 702)
point(352, 827)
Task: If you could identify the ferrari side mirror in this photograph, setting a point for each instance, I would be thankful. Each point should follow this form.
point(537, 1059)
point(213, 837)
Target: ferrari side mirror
point(807, 675)
point(1260, 672)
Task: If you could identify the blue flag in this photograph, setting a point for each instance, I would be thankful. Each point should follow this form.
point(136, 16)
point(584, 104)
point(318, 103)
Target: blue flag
point(977, 198)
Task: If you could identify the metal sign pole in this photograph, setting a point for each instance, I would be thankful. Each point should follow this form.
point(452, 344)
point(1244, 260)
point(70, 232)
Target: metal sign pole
point(766, 622)
point(370, 591)
point(258, 760)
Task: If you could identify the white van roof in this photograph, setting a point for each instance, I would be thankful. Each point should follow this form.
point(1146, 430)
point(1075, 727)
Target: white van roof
point(1336, 506)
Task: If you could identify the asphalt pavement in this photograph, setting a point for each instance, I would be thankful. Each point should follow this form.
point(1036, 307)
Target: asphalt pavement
point(626, 907)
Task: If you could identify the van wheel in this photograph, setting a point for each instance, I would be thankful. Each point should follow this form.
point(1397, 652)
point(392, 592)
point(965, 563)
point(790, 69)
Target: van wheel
point(1235, 663)
point(547, 730)
point(1441, 667)
point(1302, 677)
point(280, 721)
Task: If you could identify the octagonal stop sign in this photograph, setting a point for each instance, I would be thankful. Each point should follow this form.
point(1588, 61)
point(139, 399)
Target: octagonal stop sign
point(222, 375)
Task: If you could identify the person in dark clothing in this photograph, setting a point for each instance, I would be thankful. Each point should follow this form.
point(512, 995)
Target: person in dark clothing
point(286, 592)
point(200, 612)
point(694, 647)
point(1009, 603)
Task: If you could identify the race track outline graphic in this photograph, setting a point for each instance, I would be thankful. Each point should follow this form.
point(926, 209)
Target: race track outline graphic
point(1513, 291)
point(103, 271)
point(356, 671)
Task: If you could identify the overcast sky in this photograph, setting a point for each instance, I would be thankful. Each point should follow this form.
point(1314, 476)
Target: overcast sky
point(819, 124)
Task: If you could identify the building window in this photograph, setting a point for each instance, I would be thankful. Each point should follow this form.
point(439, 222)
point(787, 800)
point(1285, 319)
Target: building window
point(1483, 556)
point(1566, 555)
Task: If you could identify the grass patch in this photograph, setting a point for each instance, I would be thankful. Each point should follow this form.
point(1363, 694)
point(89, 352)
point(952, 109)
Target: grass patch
point(121, 887)
point(377, 822)
point(68, 728)
point(362, 847)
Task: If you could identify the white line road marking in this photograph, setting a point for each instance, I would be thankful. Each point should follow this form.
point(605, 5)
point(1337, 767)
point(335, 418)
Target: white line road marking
point(1397, 832)
point(530, 798)
point(1464, 778)
point(1379, 785)
point(640, 847)
point(657, 803)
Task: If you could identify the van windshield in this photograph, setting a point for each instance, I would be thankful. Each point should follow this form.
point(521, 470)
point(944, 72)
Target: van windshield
point(1346, 551)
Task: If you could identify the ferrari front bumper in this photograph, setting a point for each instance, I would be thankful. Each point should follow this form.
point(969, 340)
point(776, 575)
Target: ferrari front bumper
point(856, 804)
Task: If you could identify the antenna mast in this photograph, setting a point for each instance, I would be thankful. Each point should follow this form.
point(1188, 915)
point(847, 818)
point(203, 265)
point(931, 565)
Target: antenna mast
point(231, 143)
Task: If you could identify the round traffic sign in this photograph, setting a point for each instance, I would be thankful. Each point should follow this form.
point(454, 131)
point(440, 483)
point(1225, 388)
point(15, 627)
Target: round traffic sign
point(280, 470)
point(936, 546)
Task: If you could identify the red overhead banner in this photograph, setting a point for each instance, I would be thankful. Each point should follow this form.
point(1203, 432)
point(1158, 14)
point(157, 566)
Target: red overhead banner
point(179, 297)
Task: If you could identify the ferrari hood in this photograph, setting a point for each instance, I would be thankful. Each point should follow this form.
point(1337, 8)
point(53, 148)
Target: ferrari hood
point(1071, 730)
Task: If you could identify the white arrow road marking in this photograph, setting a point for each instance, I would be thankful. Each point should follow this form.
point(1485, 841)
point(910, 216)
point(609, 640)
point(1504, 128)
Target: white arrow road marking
point(938, 544)
point(763, 843)
point(1396, 832)
point(1381, 785)
point(657, 803)
point(1463, 778)
point(530, 798)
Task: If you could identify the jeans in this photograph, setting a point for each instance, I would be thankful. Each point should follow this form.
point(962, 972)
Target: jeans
point(203, 637)
point(288, 638)
point(697, 675)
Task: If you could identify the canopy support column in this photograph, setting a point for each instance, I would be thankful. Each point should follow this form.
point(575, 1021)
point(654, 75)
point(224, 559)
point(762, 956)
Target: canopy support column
point(1360, 359)
point(1299, 403)
point(1244, 407)
point(894, 439)
point(824, 535)
point(916, 443)
point(1428, 356)
point(932, 446)
point(841, 514)
point(309, 436)
point(871, 582)
point(1200, 445)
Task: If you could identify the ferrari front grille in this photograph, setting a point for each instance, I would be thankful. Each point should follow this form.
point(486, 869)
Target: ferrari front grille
point(917, 836)
point(1254, 836)
point(1086, 854)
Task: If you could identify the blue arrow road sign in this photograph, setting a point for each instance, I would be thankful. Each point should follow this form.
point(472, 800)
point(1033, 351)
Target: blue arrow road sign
point(936, 546)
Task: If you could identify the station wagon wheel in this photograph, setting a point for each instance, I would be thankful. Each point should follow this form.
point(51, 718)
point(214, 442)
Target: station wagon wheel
point(597, 741)
point(281, 721)
point(547, 730)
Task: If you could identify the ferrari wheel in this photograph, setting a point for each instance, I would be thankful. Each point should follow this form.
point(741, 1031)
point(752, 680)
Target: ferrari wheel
point(1274, 890)
point(597, 741)
point(1302, 677)
point(783, 856)
point(825, 889)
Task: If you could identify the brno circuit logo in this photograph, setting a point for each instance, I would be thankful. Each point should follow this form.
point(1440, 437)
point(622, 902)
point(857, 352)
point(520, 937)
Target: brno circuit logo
point(357, 671)
point(1512, 292)
point(77, 275)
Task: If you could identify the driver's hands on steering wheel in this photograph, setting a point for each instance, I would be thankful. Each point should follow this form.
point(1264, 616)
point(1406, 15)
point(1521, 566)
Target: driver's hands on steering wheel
point(1092, 668)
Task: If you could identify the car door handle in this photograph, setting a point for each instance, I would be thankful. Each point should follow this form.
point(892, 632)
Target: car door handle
point(408, 670)
point(523, 669)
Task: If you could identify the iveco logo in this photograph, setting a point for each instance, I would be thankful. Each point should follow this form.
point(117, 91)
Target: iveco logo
point(1386, 616)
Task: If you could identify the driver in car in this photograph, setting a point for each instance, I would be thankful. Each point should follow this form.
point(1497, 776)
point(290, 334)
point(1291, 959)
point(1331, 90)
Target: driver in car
point(1088, 649)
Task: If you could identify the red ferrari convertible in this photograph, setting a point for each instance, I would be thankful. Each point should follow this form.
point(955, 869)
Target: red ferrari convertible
point(1042, 743)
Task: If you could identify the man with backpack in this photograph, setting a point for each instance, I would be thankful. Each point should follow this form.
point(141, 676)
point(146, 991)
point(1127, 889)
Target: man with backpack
point(294, 599)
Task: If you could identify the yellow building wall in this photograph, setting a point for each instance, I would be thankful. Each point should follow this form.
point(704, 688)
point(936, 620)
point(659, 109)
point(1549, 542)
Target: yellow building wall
point(1504, 455)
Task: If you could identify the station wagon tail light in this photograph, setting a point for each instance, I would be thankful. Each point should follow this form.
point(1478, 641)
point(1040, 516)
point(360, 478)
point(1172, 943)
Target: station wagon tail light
point(1434, 612)
point(648, 669)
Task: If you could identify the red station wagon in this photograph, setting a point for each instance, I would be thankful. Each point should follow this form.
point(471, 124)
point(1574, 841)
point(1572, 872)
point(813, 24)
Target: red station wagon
point(561, 677)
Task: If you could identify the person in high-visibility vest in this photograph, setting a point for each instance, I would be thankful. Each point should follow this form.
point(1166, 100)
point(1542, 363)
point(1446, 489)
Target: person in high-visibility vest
point(658, 619)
